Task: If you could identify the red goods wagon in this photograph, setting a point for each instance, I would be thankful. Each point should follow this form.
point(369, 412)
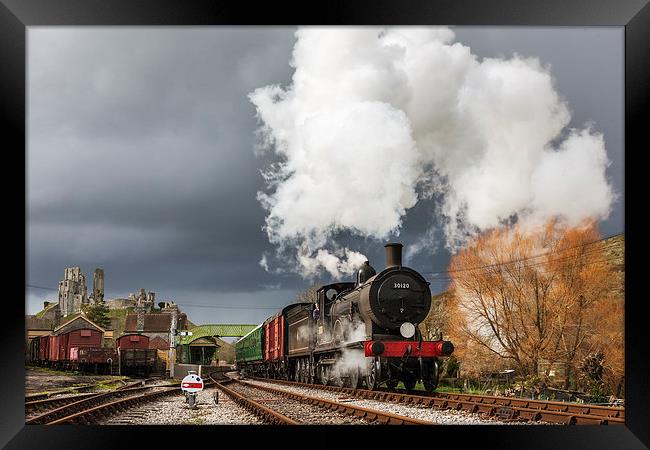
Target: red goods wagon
point(53, 348)
point(133, 341)
point(83, 338)
point(96, 355)
point(62, 350)
point(58, 348)
point(43, 350)
point(274, 338)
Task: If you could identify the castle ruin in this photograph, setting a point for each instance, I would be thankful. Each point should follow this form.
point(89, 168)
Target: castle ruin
point(72, 291)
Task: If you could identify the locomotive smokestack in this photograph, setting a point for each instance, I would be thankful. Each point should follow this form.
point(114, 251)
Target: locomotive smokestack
point(393, 254)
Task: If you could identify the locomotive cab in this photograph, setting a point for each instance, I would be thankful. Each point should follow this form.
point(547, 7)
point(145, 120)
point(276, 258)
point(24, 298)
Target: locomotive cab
point(325, 298)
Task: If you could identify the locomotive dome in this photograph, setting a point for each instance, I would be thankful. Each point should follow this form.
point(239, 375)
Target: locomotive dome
point(365, 272)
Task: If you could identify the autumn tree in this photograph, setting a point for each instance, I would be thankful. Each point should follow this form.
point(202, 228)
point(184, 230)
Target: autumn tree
point(584, 279)
point(527, 296)
point(437, 320)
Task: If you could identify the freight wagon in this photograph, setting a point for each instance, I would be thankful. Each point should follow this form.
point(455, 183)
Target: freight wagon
point(77, 345)
point(94, 359)
point(132, 340)
point(140, 362)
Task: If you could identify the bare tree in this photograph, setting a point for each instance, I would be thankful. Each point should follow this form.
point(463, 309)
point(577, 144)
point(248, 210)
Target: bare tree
point(528, 296)
point(308, 295)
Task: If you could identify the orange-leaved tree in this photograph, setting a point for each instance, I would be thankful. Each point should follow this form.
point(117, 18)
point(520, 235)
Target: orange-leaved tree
point(529, 295)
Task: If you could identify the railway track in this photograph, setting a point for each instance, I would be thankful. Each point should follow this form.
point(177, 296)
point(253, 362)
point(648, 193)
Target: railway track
point(41, 405)
point(503, 408)
point(68, 390)
point(289, 408)
point(87, 408)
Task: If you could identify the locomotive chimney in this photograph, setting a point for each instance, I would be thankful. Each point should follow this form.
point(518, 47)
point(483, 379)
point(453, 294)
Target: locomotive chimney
point(393, 254)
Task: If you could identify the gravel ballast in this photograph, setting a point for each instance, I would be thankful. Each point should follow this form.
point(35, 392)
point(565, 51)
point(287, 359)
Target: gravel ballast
point(296, 410)
point(173, 410)
point(435, 416)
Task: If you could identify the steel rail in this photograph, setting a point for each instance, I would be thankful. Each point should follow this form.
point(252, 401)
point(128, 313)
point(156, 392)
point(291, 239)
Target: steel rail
point(81, 404)
point(505, 408)
point(52, 403)
point(606, 412)
point(85, 387)
point(57, 402)
point(89, 413)
point(384, 417)
point(266, 414)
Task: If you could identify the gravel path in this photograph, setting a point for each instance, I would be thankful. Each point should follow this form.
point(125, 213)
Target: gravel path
point(173, 410)
point(436, 416)
point(294, 409)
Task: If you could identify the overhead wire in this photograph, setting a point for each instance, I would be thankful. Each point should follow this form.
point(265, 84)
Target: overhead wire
point(486, 266)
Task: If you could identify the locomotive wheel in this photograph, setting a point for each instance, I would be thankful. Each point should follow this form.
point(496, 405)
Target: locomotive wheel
point(326, 377)
point(430, 379)
point(430, 385)
point(373, 374)
point(337, 379)
point(353, 378)
point(303, 378)
point(296, 372)
point(311, 378)
point(391, 384)
point(409, 384)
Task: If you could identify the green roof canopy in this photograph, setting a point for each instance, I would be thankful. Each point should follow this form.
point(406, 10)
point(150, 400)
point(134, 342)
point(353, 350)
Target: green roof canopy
point(220, 330)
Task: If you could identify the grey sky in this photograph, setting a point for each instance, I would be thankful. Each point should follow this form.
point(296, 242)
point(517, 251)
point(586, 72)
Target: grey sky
point(140, 155)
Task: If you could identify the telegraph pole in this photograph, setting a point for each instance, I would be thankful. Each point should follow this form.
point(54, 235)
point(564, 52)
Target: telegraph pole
point(172, 340)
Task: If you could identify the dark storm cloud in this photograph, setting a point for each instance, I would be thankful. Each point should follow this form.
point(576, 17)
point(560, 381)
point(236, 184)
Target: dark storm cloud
point(141, 155)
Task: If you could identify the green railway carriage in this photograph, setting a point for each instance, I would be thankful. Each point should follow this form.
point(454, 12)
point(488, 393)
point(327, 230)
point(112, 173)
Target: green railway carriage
point(248, 351)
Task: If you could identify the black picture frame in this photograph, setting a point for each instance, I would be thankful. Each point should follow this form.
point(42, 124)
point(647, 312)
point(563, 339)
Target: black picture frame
point(634, 15)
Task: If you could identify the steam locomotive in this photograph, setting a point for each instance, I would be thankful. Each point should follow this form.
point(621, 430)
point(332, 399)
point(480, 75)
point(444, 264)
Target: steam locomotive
point(353, 333)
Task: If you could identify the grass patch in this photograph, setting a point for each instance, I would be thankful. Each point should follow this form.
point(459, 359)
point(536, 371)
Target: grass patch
point(418, 386)
point(49, 370)
point(118, 313)
point(46, 309)
point(442, 388)
point(196, 421)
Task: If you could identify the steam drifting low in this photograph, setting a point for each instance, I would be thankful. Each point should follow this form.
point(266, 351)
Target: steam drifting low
point(377, 119)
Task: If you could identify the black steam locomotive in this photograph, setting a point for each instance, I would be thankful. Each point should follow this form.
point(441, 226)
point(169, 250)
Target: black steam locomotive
point(354, 332)
point(379, 315)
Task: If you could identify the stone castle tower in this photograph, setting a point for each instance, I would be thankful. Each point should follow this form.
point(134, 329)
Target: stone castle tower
point(98, 285)
point(72, 291)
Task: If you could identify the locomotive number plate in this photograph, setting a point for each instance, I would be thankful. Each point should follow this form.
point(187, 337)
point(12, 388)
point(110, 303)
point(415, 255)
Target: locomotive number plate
point(401, 286)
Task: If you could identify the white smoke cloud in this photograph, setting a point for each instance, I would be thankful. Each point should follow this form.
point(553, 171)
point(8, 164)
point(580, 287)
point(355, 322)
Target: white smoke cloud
point(376, 119)
point(349, 360)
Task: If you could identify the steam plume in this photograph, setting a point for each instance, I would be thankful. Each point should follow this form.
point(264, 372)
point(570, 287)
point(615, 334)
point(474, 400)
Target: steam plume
point(377, 119)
